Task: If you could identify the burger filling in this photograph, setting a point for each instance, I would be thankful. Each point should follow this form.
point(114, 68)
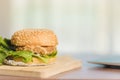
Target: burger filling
point(25, 53)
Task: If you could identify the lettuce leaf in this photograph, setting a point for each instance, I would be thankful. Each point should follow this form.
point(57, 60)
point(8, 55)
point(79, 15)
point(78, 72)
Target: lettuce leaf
point(3, 43)
point(8, 42)
point(3, 53)
point(45, 58)
point(2, 57)
point(53, 54)
point(25, 55)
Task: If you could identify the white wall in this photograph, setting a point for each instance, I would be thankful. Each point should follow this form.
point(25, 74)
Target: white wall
point(4, 18)
point(116, 25)
point(82, 26)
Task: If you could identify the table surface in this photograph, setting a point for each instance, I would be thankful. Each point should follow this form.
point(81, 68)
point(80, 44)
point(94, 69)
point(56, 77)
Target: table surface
point(87, 71)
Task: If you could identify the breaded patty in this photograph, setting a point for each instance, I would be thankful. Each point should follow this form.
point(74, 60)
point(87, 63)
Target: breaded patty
point(37, 49)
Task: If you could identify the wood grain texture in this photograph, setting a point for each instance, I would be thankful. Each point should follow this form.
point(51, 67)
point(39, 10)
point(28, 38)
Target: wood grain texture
point(62, 64)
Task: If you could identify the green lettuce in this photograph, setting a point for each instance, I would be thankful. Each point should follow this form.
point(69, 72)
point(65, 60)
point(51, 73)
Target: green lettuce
point(4, 44)
point(2, 57)
point(45, 58)
point(25, 55)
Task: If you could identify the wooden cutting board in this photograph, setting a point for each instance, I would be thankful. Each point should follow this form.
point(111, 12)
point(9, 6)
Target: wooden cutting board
point(64, 63)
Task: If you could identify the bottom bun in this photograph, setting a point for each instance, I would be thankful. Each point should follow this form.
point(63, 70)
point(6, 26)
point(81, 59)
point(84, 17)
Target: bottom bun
point(35, 62)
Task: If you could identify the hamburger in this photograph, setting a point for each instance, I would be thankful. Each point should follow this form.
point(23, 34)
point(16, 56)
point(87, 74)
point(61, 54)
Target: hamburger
point(30, 47)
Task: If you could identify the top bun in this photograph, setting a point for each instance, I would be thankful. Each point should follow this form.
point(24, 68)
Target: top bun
point(42, 37)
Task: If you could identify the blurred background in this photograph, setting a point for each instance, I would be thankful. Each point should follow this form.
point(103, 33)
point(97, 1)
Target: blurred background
point(82, 26)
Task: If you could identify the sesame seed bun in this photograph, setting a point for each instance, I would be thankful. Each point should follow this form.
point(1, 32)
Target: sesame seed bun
point(41, 37)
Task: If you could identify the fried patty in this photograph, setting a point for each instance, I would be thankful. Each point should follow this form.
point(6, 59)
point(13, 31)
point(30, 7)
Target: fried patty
point(37, 49)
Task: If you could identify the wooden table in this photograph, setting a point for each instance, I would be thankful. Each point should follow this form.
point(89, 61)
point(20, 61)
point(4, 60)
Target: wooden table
point(88, 71)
